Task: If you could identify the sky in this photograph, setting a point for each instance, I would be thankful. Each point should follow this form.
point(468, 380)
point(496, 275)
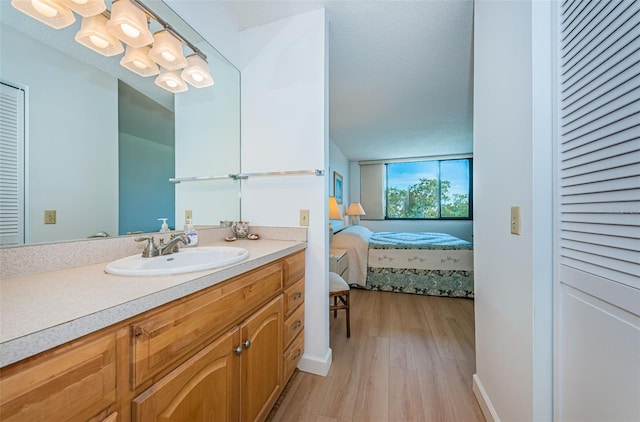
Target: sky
point(403, 175)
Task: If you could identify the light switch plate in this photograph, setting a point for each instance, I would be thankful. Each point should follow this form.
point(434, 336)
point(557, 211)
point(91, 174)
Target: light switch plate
point(188, 215)
point(515, 220)
point(304, 217)
point(49, 216)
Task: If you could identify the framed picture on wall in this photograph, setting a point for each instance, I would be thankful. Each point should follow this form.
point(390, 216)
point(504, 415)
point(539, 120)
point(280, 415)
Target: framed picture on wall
point(337, 186)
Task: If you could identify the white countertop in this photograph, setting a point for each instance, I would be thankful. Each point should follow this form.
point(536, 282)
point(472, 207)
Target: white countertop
point(41, 311)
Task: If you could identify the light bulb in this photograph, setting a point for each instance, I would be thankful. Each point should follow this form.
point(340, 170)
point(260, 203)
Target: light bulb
point(139, 64)
point(44, 9)
point(98, 41)
point(171, 83)
point(80, 1)
point(129, 30)
point(197, 77)
point(168, 56)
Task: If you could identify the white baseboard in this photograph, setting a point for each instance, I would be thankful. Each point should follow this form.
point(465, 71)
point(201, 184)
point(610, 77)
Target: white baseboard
point(483, 400)
point(315, 365)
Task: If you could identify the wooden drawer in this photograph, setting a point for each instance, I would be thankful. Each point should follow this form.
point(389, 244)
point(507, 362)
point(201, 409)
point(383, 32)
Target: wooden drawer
point(293, 268)
point(293, 325)
point(292, 356)
point(293, 297)
point(167, 337)
point(74, 382)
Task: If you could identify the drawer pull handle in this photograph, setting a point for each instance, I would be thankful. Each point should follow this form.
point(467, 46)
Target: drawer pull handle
point(238, 350)
point(296, 356)
point(247, 344)
point(297, 296)
point(296, 325)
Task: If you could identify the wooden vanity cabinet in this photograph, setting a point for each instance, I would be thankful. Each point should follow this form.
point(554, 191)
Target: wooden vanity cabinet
point(220, 354)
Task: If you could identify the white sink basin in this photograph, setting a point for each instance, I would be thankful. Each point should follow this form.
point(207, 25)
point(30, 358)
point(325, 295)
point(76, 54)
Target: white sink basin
point(185, 261)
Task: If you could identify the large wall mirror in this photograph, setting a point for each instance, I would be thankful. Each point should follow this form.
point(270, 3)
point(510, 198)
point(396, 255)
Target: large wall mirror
point(101, 142)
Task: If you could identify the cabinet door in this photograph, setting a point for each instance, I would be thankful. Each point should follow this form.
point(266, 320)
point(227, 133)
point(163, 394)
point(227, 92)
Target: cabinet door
point(204, 388)
point(262, 361)
point(74, 382)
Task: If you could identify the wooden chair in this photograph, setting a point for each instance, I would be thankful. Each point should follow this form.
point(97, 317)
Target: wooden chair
point(339, 291)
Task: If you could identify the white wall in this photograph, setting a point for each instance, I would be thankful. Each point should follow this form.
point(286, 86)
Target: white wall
point(284, 127)
point(76, 106)
point(213, 21)
point(339, 162)
point(208, 125)
point(512, 159)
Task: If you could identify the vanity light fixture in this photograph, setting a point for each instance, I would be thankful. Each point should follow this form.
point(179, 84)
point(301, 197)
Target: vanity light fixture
point(49, 12)
point(171, 81)
point(138, 61)
point(93, 34)
point(197, 72)
point(167, 51)
point(86, 8)
point(129, 23)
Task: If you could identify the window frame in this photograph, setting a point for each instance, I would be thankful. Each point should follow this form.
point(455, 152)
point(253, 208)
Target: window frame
point(440, 217)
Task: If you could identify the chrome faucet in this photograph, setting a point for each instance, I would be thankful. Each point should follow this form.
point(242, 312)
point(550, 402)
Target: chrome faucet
point(173, 245)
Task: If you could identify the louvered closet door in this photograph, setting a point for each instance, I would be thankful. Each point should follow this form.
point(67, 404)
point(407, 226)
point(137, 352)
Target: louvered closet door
point(11, 165)
point(598, 323)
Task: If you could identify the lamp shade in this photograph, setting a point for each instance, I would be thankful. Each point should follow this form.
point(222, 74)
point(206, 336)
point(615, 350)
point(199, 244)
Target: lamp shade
point(334, 209)
point(356, 209)
point(129, 24)
point(171, 81)
point(93, 34)
point(85, 8)
point(49, 12)
point(138, 61)
point(167, 51)
point(197, 72)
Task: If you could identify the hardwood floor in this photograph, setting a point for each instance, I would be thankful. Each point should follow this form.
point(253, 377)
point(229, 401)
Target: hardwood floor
point(409, 358)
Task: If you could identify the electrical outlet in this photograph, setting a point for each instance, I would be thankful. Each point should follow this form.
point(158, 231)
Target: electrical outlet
point(188, 215)
point(49, 216)
point(515, 220)
point(304, 217)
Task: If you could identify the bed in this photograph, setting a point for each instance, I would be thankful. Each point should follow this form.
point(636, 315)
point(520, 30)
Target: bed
point(435, 264)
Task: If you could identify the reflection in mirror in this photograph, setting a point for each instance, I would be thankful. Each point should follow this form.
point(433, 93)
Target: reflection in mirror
point(85, 118)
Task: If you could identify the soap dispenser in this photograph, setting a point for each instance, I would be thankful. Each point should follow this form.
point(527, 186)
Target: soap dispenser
point(191, 233)
point(164, 228)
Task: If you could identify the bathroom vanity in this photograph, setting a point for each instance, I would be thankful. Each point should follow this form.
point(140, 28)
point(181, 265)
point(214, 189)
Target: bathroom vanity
point(222, 352)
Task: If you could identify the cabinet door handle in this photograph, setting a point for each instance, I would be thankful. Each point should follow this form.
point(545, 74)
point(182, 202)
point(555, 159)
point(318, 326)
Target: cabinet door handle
point(297, 296)
point(294, 357)
point(247, 343)
point(296, 325)
point(238, 350)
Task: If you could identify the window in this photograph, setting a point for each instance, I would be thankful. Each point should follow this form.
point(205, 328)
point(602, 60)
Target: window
point(438, 189)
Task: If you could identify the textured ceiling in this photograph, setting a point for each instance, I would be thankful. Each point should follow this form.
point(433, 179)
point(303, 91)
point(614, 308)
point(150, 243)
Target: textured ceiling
point(400, 73)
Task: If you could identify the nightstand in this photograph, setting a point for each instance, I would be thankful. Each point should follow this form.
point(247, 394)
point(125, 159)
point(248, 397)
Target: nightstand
point(339, 263)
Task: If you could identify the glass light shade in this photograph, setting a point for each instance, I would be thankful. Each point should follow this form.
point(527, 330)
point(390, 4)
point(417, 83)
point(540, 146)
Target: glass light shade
point(167, 51)
point(129, 24)
point(171, 81)
point(93, 34)
point(334, 209)
point(49, 12)
point(86, 8)
point(197, 72)
point(138, 61)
